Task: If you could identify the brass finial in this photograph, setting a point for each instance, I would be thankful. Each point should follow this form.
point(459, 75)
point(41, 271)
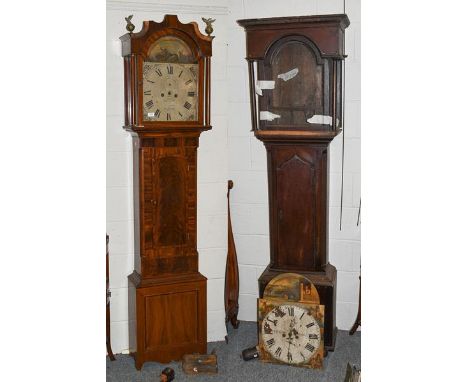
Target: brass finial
point(130, 26)
point(209, 26)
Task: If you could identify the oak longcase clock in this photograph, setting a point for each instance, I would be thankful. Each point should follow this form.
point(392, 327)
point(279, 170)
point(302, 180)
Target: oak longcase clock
point(167, 106)
point(295, 75)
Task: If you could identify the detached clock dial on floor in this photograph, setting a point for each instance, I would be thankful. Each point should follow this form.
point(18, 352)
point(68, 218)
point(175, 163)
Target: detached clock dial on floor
point(290, 322)
point(291, 334)
point(170, 91)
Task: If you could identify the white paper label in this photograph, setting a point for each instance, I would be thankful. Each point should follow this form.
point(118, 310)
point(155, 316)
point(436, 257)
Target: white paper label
point(258, 90)
point(268, 116)
point(266, 84)
point(150, 114)
point(323, 120)
point(263, 85)
point(288, 75)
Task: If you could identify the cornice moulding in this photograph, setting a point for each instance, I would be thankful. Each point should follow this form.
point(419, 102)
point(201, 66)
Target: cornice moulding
point(138, 6)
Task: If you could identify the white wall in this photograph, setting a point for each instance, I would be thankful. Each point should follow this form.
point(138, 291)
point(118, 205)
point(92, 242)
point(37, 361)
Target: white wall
point(229, 151)
point(247, 161)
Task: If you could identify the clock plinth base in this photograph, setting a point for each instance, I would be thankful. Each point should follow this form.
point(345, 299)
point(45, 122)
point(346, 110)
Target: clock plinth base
point(325, 283)
point(167, 317)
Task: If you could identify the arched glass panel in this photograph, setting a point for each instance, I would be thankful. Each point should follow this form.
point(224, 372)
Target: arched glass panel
point(298, 92)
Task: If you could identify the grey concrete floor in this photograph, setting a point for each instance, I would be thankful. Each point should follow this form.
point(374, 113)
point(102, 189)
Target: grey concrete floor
point(232, 368)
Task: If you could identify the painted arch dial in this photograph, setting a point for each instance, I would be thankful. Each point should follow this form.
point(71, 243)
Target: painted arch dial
point(170, 92)
point(290, 334)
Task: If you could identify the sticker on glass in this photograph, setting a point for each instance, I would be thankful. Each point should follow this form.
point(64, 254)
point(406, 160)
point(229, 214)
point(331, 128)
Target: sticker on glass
point(288, 75)
point(260, 85)
point(323, 120)
point(268, 116)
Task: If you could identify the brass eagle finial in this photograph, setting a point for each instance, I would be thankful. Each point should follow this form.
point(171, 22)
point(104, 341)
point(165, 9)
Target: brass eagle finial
point(209, 26)
point(130, 26)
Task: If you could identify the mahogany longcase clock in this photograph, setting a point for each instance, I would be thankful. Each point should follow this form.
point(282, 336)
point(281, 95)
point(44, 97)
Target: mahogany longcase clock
point(167, 106)
point(295, 74)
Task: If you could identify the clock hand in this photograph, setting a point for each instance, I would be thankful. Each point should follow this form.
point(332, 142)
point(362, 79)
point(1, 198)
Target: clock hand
point(290, 337)
point(296, 333)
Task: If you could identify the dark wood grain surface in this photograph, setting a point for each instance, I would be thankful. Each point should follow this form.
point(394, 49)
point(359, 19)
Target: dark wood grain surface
point(298, 151)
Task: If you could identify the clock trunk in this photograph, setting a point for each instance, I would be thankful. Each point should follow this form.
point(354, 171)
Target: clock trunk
point(297, 186)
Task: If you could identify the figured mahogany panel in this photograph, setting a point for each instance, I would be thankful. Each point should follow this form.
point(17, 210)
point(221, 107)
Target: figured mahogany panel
point(170, 319)
point(168, 179)
point(172, 202)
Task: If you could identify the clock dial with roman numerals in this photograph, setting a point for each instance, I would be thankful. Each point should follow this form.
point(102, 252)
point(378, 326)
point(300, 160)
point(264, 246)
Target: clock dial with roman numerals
point(290, 334)
point(170, 92)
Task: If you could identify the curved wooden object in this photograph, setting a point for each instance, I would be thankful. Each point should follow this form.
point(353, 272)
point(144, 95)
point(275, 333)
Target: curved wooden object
point(231, 280)
point(108, 340)
point(357, 323)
